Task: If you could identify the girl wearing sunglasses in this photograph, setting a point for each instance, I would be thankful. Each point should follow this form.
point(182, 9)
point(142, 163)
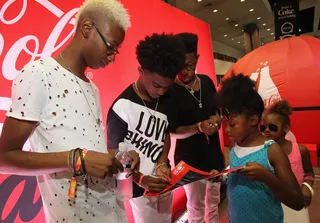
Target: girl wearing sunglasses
point(276, 124)
point(255, 192)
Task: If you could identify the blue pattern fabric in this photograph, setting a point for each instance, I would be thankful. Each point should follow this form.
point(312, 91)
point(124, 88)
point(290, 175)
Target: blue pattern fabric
point(252, 201)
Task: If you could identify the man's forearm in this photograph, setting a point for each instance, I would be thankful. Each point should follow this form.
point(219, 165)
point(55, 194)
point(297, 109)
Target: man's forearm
point(291, 197)
point(166, 149)
point(183, 132)
point(136, 177)
point(20, 162)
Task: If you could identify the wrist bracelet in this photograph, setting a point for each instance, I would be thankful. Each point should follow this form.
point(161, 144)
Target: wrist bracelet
point(70, 165)
point(309, 187)
point(199, 127)
point(140, 180)
point(308, 178)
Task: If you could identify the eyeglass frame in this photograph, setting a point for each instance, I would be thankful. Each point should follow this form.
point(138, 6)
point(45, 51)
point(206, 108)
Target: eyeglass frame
point(111, 49)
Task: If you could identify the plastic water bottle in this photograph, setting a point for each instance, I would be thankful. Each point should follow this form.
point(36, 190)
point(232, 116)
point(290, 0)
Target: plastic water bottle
point(124, 185)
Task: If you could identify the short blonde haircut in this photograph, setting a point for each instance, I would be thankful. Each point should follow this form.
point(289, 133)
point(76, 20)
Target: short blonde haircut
point(112, 9)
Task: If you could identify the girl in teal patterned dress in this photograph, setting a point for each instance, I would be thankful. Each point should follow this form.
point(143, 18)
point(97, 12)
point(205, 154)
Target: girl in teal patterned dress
point(255, 193)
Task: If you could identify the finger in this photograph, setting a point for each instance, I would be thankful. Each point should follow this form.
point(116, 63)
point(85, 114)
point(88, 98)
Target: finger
point(135, 162)
point(129, 174)
point(212, 122)
point(250, 164)
point(156, 187)
point(117, 165)
point(213, 172)
point(113, 170)
point(169, 176)
point(157, 180)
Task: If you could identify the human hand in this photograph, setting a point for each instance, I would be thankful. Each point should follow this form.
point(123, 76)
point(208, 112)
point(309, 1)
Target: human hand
point(254, 171)
point(209, 127)
point(153, 184)
point(217, 118)
point(135, 159)
point(215, 179)
point(101, 164)
point(163, 170)
point(307, 196)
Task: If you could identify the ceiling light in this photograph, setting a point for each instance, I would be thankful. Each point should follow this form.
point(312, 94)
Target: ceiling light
point(268, 29)
point(225, 35)
point(242, 30)
point(232, 38)
point(272, 33)
point(236, 25)
point(264, 24)
point(251, 10)
point(259, 18)
point(299, 30)
point(199, 0)
point(239, 42)
point(242, 0)
point(215, 10)
point(227, 19)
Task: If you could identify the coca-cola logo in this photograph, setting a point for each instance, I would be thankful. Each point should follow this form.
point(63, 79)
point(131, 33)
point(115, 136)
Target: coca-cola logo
point(21, 45)
point(286, 28)
point(284, 12)
point(19, 196)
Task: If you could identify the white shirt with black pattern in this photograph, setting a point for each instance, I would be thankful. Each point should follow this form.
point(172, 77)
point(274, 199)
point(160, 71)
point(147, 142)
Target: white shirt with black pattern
point(45, 92)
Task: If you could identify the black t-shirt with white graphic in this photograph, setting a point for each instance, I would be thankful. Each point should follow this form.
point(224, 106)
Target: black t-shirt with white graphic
point(195, 150)
point(130, 121)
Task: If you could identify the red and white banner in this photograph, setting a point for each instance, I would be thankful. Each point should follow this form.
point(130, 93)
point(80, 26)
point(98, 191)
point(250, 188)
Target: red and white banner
point(33, 29)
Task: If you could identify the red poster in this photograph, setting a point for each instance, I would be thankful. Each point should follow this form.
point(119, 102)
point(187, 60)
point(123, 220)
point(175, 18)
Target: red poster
point(34, 29)
point(184, 174)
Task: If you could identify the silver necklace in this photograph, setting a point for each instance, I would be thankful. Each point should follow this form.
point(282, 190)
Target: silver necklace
point(191, 91)
point(98, 120)
point(153, 117)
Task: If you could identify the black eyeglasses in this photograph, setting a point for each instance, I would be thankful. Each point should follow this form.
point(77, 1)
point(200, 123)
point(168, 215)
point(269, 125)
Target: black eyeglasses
point(271, 127)
point(111, 49)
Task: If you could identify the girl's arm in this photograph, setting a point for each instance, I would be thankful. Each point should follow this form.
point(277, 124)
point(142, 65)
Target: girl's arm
point(306, 162)
point(283, 183)
point(308, 175)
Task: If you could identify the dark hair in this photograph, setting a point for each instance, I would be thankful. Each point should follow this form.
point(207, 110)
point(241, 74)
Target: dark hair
point(163, 54)
point(281, 108)
point(190, 42)
point(238, 94)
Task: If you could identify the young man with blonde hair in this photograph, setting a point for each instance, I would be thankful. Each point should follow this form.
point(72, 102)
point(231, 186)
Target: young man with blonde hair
point(58, 107)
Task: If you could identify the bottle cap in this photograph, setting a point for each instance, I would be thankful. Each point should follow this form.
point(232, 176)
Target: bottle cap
point(123, 146)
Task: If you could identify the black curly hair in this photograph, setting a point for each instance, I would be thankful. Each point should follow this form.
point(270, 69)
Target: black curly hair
point(190, 42)
point(163, 54)
point(238, 94)
point(281, 108)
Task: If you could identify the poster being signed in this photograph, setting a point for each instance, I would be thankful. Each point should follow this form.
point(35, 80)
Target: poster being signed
point(184, 174)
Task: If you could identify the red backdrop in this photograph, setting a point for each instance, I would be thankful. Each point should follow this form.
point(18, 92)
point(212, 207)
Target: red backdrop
point(30, 30)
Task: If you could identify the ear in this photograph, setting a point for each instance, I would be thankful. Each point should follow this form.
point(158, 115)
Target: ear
point(86, 26)
point(254, 120)
point(140, 71)
point(287, 128)
point(198, 55)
